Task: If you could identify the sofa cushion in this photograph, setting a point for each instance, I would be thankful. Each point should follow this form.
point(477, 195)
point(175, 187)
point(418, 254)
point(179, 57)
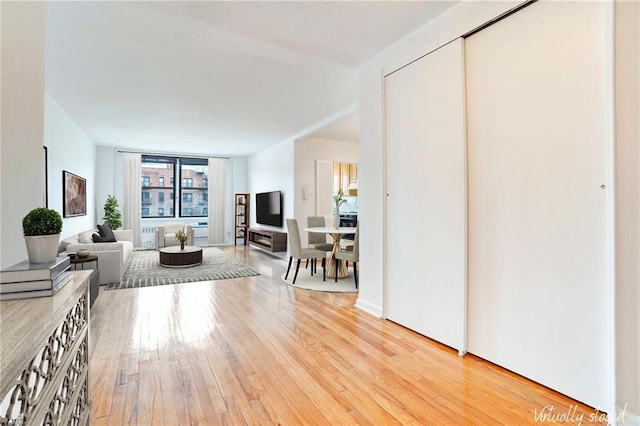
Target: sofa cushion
point(172, 228)
point(106, 233)
point(86, 237)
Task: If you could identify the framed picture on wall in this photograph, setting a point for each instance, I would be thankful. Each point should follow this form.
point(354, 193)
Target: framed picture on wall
point(74, 195)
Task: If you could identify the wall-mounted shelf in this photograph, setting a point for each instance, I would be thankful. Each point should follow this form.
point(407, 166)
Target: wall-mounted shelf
point(268, 240)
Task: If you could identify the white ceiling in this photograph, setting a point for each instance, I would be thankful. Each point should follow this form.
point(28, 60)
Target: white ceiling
point(216, 77)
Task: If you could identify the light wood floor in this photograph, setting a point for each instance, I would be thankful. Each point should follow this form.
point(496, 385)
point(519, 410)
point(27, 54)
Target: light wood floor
point(255, 351)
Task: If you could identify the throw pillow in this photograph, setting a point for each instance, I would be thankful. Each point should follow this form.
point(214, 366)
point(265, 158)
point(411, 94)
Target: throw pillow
point(107, 234)
point(86, 237)
point(96, 238)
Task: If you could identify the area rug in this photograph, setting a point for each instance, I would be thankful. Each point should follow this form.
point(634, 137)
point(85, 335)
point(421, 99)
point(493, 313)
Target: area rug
point(307, 282)
point(144, 270)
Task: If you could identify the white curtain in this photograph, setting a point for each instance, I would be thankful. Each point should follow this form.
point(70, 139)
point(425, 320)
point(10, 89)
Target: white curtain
point(216, 200)
point(131, 205)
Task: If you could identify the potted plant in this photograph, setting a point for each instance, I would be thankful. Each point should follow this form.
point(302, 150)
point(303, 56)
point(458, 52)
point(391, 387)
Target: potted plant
point(338, 200)
point(112, 215)
point(182, 237)
point(41, 228)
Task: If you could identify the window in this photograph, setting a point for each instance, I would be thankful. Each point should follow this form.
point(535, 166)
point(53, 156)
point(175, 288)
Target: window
point(159, 199)
point(194, 175)
point(154, 171)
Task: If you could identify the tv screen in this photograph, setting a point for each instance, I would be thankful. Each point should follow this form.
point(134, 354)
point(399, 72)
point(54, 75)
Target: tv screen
point(269, 208)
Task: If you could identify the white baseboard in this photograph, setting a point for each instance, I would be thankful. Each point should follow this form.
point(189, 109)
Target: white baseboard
point(369, 308)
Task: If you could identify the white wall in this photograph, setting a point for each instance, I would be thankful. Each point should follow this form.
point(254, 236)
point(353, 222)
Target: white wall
point(108, 179)
point(272, 170)
point(21, 148)
point(628, 208)
point(71, 149)
point(306, 152)
point(453, 23)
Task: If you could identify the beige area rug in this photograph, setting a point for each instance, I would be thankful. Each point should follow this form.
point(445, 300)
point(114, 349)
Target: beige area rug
point(307, 282)
point(144, 270)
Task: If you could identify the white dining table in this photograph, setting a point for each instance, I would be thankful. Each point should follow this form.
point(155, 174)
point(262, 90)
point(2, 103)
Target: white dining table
point(335, 265)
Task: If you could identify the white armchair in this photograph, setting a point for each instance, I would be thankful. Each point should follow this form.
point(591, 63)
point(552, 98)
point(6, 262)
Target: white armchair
point(166, 234)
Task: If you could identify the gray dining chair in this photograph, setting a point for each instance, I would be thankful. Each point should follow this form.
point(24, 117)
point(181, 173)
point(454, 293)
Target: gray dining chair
point(317, 240)
point(298, 252)
point(352, 254)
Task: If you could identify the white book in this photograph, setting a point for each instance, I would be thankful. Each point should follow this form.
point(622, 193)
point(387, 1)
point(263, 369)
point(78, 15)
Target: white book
point(34, 285)
point(36, 293)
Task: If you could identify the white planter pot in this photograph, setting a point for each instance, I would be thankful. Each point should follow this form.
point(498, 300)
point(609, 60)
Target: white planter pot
point(42, 248)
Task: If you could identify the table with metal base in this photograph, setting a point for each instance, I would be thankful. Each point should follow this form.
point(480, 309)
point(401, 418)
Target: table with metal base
point(335, 266)
point(77, 260)
point(176, 257)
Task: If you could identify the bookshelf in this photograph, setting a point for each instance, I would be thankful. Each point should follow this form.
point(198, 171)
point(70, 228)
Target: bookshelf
point(241, 218)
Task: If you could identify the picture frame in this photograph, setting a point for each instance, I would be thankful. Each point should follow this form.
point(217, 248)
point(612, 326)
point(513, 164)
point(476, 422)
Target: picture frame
point(74, 194)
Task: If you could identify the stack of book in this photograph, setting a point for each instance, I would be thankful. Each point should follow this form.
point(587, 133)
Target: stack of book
point(25, 280)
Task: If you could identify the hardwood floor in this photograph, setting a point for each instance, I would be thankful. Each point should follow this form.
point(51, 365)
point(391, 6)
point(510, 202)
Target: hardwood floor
point(256, 351)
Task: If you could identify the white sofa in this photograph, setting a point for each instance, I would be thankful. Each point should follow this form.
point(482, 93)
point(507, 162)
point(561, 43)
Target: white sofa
point(112, 257)
point(166, 234)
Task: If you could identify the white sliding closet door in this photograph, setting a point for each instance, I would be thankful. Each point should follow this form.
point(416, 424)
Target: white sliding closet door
point(539, 150)
point(425, 253)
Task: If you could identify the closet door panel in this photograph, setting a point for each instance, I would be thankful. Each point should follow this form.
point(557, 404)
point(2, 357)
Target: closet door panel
point(425, 250)
point(538, 144)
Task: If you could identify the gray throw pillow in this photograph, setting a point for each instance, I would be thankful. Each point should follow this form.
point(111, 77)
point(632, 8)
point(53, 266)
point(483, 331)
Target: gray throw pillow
point(106, 234)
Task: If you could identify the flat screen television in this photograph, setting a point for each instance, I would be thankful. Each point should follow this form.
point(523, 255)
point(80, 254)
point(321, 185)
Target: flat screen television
point(269, 208)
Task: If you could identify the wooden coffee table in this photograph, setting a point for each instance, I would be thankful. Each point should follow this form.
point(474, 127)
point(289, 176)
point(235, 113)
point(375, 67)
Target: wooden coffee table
point(175, 257)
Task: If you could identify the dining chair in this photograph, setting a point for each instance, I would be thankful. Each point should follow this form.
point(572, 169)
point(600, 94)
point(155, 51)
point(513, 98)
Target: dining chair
point(351, 255)
point(317, 240)
point(298, 252)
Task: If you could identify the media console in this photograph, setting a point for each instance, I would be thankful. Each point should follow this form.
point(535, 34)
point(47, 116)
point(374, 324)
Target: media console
point(268, 240)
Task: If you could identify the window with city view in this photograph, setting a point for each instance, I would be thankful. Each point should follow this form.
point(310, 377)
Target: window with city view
point(158, 197)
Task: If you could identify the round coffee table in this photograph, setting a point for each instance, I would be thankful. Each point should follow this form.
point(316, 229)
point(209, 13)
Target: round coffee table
point(175, 257)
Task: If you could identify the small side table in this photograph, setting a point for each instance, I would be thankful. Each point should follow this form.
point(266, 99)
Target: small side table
point(75, 260)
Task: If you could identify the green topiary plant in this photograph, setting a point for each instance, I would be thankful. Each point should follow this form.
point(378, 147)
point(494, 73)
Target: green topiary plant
point(42, 221)
point(112, 215)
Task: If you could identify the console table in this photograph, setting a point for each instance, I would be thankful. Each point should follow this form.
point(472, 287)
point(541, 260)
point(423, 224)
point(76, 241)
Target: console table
point(44, 357)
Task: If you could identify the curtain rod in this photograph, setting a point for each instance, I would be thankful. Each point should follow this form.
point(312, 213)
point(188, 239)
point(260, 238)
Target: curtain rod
point(170, 154)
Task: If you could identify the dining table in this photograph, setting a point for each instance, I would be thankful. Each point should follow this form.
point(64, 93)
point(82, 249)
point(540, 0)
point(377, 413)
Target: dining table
point(336, 266)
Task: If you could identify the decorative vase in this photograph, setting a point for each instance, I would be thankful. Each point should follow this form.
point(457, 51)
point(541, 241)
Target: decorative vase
point(336, 220)
point(42, 248)
point(83, 253)
point(181, 245)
